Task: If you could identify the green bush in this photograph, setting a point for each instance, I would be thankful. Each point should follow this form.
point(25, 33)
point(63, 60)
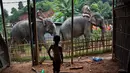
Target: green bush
point(96, 34)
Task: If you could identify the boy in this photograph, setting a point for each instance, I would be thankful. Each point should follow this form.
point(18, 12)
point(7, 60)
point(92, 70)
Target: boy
point(57, 54)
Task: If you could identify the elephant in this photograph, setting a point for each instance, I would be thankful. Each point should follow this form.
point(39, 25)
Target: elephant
point(20, 31)
point(81, 26)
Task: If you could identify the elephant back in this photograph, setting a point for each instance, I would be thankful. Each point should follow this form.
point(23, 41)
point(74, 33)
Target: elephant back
point(20, 30)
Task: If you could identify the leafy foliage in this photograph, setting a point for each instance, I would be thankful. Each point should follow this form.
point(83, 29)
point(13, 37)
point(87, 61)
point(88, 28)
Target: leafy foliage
point(42, 5)
point(13, 10)
point(16, 13)
point(103, 8)
point(43, 0)
point(23, 9)
point(38, 0)
point(63, 8)
point(6, 13)
point(6, 18)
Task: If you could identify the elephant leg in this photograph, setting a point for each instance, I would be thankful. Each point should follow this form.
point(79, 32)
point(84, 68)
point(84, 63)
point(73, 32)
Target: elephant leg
point(42, 42)
point(12, 45)
point(40, 47)
point(87, 38)
point(66, 41)
point(87, 41)
point(21, 47)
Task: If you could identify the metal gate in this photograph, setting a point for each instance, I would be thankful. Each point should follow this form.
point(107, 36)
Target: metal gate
point(4, 56)
point(121, 33)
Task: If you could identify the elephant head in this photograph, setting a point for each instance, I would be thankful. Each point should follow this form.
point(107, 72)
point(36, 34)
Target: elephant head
point(97, 20)
point(43, 27)
point(49, 26)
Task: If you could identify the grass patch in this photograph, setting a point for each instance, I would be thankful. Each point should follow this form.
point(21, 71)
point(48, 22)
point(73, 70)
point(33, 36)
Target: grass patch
point(90, 53)
point(23, 59)
point(76, 54)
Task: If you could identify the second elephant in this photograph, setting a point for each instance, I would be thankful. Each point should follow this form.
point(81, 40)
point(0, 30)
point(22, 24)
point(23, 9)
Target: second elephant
point(81, 26)
point(20, 31)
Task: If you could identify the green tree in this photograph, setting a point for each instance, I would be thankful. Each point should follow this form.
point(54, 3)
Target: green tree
point(14, 16)
point(89, 2)
point(6, 18)
point(13, 10)
point(38, 0)
point(5, 13)
point(42, 5)
point(63, 9)
point(16, 13)
point(20, 5)
point(78, 4)
point(103, 8)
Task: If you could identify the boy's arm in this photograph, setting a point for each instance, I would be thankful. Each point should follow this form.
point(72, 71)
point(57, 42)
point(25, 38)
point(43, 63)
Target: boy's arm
point(49, 52)
point(61, 54)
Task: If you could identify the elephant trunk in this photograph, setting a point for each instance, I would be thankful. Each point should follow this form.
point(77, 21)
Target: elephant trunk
point(102, 35)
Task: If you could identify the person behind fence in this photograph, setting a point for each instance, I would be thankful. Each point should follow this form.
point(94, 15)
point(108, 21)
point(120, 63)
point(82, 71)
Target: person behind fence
point(40, 15)
point(86, 12)
point(57, 54)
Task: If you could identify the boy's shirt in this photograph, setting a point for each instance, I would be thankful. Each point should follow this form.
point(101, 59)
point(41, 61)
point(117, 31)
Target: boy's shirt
point(57, 52)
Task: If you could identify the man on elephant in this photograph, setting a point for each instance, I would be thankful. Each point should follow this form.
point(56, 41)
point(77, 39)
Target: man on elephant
point(86, 11)
point(40, 15)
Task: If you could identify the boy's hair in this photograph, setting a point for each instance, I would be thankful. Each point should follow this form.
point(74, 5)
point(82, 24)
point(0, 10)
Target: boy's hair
point(56, 38)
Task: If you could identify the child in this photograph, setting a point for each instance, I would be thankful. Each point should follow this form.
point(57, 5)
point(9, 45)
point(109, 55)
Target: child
point(57, 54)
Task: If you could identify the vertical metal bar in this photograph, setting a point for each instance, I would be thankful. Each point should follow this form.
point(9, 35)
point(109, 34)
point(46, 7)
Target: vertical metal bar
point(92, 44)
point(83, 46)
point(36, 50)
point(106, 43)
point(78, 44)
point(30, 29)
point(98, 45)
point(72, 32)
point(113, 33)
point(3, 20)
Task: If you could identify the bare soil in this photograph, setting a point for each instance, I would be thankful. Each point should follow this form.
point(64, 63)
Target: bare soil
point(89, 66)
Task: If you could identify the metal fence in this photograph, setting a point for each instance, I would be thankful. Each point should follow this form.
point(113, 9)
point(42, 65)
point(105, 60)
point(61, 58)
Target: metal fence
point(22, 52)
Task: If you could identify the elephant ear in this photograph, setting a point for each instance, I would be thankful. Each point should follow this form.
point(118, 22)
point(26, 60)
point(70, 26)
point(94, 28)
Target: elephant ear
point(95, 19)
point(92, 19)
point(47, 22)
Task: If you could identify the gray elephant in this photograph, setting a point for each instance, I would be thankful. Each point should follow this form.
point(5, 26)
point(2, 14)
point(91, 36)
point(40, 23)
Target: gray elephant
point(81, 26)
point(20, 31)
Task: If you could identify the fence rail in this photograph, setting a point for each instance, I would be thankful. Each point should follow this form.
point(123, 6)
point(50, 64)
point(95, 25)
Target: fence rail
point(22, 52)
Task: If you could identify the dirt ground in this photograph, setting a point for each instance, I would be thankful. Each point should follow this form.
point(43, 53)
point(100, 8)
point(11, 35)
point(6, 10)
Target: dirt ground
point(89, 66)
